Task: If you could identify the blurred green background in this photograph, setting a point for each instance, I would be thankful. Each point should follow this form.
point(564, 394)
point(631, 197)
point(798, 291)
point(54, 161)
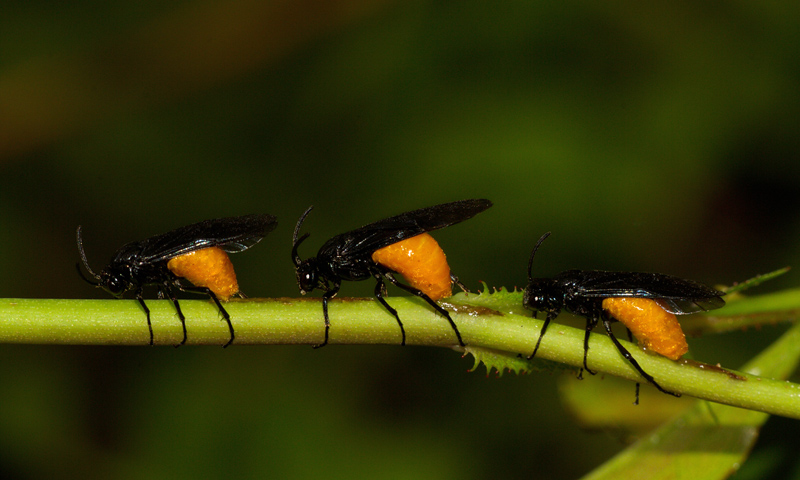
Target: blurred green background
point(646, 136)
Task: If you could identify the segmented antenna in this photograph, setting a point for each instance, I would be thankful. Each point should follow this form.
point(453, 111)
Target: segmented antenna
point(295, 242)
point(85, 261)
point(530, 262)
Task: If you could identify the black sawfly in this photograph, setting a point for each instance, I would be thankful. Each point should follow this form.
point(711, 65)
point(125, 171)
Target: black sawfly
point(197, 253)
point(353, 256)
point(646, 303)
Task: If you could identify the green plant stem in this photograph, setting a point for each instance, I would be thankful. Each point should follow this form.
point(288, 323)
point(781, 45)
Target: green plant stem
point(364, 321)
point(258, 321)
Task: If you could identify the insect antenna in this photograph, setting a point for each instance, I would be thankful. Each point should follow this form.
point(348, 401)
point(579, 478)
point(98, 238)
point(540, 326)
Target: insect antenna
point(295, 241)
point(530, 262)
point(85, 261)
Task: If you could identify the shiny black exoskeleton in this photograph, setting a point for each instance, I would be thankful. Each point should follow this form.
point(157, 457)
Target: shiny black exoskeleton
point(142, 263)
point(581, 292)
point(349, 256)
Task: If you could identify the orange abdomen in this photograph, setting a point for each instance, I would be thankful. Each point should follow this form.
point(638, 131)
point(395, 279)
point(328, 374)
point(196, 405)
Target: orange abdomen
point(654, 328)
point(421, 261)
point(209, 267)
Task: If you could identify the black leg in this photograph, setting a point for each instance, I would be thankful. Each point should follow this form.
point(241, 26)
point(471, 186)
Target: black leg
point(380, 292)
point(325, 297)
point(430, 301)
point(225, 315)
point(206, 291)
point(625, 353)
point(147, 312)
point(168, 288)
point(630, 339)
point(590, 324)
point(541, 334)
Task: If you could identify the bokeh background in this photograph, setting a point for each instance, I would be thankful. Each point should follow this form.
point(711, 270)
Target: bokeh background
point(646, 136)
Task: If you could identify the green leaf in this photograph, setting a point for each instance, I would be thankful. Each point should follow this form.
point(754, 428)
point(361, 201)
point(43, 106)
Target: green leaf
point(501, 361)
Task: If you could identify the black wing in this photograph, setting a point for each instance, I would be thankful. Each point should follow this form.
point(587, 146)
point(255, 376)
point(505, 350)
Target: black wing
point(232, 234)
point(673, 294)
point(382, 233)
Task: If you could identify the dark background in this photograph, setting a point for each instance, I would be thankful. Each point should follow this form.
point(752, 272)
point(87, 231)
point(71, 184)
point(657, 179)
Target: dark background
point(647, 137)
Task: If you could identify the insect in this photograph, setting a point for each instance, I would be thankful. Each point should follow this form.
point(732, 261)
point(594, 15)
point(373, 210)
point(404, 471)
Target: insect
point(398, 244)
point(646, 303)
point(197, 253)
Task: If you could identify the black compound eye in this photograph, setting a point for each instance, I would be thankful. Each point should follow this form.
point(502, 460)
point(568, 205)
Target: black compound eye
point(306, 279)
point(113, 284)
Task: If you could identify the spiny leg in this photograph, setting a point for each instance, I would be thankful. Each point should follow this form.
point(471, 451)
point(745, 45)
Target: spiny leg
point(430, 301)
point(541, 334)
point(625, 353)
point(380, 292)
point(225, 315)
point(147, 312)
